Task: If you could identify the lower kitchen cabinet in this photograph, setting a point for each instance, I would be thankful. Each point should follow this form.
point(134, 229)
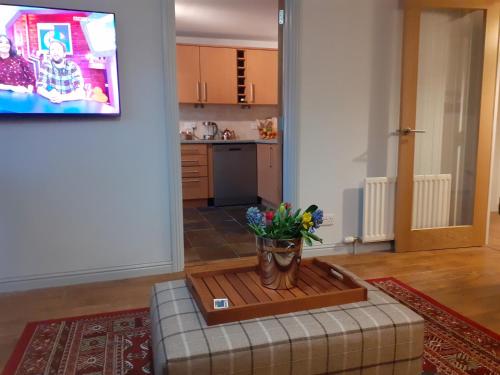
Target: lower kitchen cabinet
point(196, 174)
point(269, 173)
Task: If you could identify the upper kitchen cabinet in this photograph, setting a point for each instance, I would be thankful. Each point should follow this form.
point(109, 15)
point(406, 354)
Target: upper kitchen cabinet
point(218, 75)
point(188, 74)
point(206, 74)
point(261, 76)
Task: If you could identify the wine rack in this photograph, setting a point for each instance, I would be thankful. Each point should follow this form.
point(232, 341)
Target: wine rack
point(241, 76)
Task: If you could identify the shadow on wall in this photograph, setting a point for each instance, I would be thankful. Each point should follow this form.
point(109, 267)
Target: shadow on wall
point(385, 86)
point(381, 154)
point(352, 212)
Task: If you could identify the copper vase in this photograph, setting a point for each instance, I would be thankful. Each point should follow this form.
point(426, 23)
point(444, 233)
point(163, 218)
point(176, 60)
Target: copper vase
point(279, 262)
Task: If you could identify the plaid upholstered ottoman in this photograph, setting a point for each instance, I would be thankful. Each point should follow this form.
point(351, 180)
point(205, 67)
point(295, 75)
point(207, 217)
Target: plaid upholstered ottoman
point(379, 336)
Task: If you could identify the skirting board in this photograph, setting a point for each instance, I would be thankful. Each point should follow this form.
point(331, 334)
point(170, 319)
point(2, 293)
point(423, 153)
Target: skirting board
point(342, 248)
point(15, 284)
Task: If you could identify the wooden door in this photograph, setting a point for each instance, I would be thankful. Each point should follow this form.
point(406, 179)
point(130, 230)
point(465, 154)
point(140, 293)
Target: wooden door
point(447, 108)
point(218, 75)
point(188, 74)
point(261, 76)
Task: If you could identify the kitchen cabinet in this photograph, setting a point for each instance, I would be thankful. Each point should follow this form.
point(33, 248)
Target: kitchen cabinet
point(188, 74)
point(218, 75)
point(206, 74)
point(269, 173)
point(261, 76)
point(196, 174)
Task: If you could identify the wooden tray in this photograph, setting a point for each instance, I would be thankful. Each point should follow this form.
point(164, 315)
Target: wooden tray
point(320, 284)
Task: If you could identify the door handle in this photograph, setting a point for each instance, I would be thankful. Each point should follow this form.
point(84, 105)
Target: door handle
point(198, 89)
point(408, 131)
point(205, 86)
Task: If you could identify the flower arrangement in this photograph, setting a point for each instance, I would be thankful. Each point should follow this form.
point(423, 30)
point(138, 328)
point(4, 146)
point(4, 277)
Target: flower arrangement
point(284, 224)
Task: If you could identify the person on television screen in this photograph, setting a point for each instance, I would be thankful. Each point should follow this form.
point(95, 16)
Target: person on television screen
point(60, 79)
point(16, 74)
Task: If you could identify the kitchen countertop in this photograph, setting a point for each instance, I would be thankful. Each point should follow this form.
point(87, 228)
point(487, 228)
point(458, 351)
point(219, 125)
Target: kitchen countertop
point(221, 141)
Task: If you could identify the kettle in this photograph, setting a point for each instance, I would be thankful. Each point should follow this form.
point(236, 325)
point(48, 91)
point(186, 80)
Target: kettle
point(212, 129)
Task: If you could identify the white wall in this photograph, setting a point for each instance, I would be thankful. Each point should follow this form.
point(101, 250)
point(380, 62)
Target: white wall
point(89, 196)
point(349, 83)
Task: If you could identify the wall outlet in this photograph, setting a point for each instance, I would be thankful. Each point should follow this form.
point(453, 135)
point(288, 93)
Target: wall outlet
point(328, 220)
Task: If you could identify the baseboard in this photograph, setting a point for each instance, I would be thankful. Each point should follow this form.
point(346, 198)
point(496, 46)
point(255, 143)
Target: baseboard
point(14, 284)
point(342, 248)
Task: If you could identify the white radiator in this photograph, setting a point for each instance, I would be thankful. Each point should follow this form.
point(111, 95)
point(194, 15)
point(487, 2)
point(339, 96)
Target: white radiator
point(431, 205)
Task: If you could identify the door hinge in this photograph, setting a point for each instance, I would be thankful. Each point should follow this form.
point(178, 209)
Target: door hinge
point(281, 17)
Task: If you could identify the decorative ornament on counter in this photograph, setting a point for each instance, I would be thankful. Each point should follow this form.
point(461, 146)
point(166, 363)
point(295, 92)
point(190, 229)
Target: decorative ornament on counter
point(228, 134)
point(268, 128)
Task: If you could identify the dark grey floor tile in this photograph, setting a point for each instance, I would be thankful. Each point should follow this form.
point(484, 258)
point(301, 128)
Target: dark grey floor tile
point(209, 210)
point(242, 221)
point(197, 225)
point(228, 226)
point(191, 255)
point(244, 236)
point(192, 214)
point(215, 219)
point(205, 237)
point(244, 249)
point(215, 252)
point(217, 233)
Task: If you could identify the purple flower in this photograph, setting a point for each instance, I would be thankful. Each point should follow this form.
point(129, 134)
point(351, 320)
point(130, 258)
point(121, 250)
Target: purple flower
point(255, 217)
point(317, 218)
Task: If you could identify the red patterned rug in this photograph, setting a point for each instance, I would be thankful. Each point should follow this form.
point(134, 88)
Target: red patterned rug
point(453, 345)
point(103, 344)
point(118, 343)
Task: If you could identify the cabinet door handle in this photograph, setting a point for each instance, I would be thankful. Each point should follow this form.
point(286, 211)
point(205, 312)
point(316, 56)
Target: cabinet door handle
point(198, 89)
point(252, 93)
point(205, 91)
point(191, 181)
point(270, 158)
point(190, 161)
point(192, 172)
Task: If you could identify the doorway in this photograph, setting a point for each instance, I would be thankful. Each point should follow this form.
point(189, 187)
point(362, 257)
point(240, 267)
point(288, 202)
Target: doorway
point(228, 75)
point(494, 206)
point(447, 111)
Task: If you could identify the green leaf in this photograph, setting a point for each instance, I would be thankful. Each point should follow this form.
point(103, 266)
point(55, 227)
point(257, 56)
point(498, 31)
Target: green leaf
point(315, 237)
point(308, 241)
point(312, 208)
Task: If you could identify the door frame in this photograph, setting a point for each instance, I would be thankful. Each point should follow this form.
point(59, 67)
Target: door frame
point(288, 120)
point(449, 237)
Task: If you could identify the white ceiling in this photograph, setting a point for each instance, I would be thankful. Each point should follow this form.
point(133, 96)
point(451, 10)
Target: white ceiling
point(227, 19)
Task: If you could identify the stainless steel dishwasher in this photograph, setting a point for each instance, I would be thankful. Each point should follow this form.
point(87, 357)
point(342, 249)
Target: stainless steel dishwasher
point(235, 174)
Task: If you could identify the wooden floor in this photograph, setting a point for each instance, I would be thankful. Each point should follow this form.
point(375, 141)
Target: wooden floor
point(467, 280)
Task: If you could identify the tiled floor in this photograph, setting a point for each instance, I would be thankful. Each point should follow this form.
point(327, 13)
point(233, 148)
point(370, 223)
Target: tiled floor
point(214, 233)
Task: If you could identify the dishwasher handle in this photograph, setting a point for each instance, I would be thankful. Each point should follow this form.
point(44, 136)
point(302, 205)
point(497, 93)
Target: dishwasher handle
point(235, 149)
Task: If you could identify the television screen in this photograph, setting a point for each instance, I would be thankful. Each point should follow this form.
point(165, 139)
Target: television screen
point(57, 61)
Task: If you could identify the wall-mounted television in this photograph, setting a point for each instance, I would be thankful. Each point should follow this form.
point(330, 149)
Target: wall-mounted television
point(57, 61)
